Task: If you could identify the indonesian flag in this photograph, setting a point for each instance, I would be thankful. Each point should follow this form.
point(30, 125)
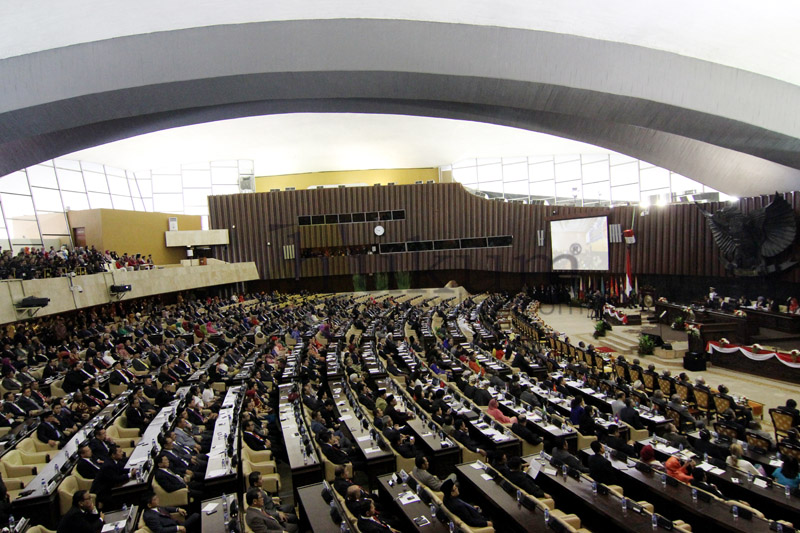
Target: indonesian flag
point(628, 276)
point(581, 290)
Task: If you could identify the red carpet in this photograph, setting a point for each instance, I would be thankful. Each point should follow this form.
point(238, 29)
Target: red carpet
point(603, 349)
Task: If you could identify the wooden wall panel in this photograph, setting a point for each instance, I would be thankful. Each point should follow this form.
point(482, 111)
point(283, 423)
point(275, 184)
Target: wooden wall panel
point(673, 240)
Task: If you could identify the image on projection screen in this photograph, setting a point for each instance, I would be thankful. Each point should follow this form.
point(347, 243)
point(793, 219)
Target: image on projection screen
point(579, 244)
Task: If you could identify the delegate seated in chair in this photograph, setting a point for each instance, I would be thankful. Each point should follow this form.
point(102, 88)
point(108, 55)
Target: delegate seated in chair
point(158, 519)
point(81, 517)
point(470, 514)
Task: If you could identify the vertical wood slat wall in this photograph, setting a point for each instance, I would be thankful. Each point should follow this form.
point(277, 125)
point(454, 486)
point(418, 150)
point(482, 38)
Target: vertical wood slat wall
point(671, 240)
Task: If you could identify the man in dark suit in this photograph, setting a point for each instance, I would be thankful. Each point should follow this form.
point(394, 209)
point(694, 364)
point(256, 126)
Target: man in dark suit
point(521, 429)
point(333, 453)
point(101, 445)
point(158, 519)
point(10, 406)
point(461, 434)
point(615, 442)
point(112, 474)
point(76, 378)
point(630, 415)
point(253, 440)
point(521, 479)
point(27, 402)
point(481, 396)
point(561, 455)
point(599, 467)
point(368, 520)
point(86, 466)
point(170, 481)
point(81, 517)
point(135, 416)
point(282, 513)
point(256, 518)
point(49, 432)
point(470, 514)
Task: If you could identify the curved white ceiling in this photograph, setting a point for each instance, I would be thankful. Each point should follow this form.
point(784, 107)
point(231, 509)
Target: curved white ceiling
point(757, 37)
point(316, 142)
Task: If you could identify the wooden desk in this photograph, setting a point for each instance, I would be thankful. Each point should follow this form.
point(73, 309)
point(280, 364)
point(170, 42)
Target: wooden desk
point(676, 502)
point(407, 513)
point(315, 514)
point(215, 521)
point(597, 511)
point(505, 512)
point(306, 468)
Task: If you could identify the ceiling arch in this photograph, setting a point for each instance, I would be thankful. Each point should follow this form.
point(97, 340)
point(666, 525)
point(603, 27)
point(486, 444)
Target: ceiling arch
point(713, 123)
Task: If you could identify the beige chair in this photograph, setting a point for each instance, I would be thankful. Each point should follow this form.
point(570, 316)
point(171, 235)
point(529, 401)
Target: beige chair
point(270, 482)
point(263, 466)
point(4, 431)
point(55, 389)
point(142, 528)
point(584, 441)
point(14, 487)
point(66, 490)
point(83, 483)
point(171, 499)
point(32, 456)
point(124, 437)
point(40, 446)
point(116, 390)
point(256, 456)
point(122, 429)
point(39, 529)
point(13, 467)
point(637, 434)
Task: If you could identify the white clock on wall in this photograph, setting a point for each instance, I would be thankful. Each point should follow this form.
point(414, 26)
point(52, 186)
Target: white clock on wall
point(379, 230)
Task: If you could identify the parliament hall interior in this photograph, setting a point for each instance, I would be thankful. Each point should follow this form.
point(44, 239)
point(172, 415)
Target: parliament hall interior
point(428, 267)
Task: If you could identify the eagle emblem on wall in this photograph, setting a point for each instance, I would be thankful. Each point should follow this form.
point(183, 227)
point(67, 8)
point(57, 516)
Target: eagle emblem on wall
point(750, 243)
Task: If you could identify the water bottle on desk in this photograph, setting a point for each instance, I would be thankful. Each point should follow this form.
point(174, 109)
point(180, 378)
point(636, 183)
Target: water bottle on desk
point(594, 487)
point(694, 495)
point(519, 496)
point(663, 480)
point(735, 511)
point(624, 504)
point(11, 523)
point(433, 510)
point(655, 521)
point(546, 515)
point(564, 471)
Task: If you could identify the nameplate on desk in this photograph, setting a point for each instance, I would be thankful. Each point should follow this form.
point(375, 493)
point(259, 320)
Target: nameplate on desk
point(210, 507)
point(407, 497)
point(371, 450)
point(487, 477)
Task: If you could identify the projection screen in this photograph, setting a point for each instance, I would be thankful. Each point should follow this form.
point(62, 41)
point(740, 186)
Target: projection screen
point(579, 244)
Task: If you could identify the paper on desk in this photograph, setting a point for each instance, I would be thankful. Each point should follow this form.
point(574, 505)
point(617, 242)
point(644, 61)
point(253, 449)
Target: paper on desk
point(345, 417)
point(363, 438)
point(534, 468)
point(775, 462)
point(717, 471)
point(111, 526)
point(760, 483)
point(408, 497)
point(371, 450)
point(705, 466)
point(550, 471)
point(487, 477)
point(210, 507)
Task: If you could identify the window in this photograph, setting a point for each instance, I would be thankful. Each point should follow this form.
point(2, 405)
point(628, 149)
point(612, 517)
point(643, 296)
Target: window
point(420, 246)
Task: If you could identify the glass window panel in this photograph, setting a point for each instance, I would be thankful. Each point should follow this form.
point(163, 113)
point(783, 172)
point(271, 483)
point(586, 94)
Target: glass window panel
point(114, 171)
point(246, 166)
point(148, 204)
point(53, 224)
point(626, 174)
point(569, 190)
point(225, 163)
point(654, 178)
point(70, 180)
point(542, 171)
point(204, 222)
point(47, 199)
point(42, 176)
point(15, 205)
point(145, 187)
point(167, 183)
point(195, 210)
point(95, 182)
point(15, 182)
point(138, 204)
point(464, 164)
point(593, 158)
point(625, 193)
point(98, 200)
point(196, 196)
point(536, 159)
point(596, 192)
point(492, 186)
point(568, 171)
point(75, 201)
point(517, 188)
point(488, 161)
point(490, 173)
point(68, 164)
point(683, 185)
point(620, 159)
point(117, 185)
point(567, 158)
point(122, 202)
point(465, 174)
point(196, 178)
point(133, 185)
point(88, 166)
point(224, 176)
point(594, 172)
point(195, 166)
point(656, 197)
point(645, 164)
point(544, 189)
point(516, 172)
point(142, 175)
point(225, 189)
point(168, 203)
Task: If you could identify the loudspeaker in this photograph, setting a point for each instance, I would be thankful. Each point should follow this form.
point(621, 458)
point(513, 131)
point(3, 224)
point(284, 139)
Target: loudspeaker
point(32, 301)
point(694, 361)
point(115, 289)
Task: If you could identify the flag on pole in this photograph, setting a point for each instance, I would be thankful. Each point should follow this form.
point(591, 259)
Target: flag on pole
point(628, 276)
